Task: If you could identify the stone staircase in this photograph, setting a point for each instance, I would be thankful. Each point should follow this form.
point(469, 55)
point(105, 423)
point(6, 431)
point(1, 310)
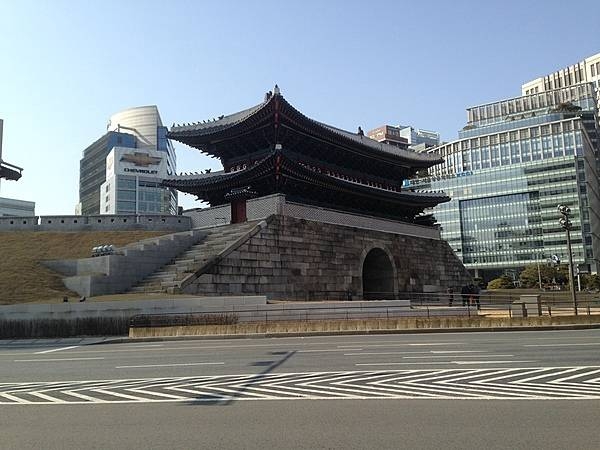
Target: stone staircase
point(217, 240)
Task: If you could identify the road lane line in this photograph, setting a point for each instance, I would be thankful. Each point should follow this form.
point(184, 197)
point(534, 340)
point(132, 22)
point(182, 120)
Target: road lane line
point(493, 362)
point(562, 345)
point(323, 350)
point(441, 362)
point(425, 344)
point(416, 353)
point(170, 365)
point(57, 349)
point(385, 353)
point(56, 359)
point(458, 356)
point(458, 351)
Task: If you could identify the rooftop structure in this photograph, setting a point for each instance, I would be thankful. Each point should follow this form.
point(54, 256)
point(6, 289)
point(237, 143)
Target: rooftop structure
point(273, 148)
point(389, 135)
point(416, 136)
point(585, 71)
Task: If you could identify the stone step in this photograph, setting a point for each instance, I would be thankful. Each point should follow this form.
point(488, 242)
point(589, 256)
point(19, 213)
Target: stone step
point(193, 258)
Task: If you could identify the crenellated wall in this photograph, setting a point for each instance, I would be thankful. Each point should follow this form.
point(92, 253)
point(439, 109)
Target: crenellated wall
point(120, 222)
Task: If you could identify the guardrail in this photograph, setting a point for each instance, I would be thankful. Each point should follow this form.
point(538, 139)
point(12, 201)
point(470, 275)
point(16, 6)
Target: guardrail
point(285, 313)
point(547, 303)
point(421, 305)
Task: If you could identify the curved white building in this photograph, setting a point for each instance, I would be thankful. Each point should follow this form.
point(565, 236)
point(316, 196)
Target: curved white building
point(117, 188)
point(141, 121)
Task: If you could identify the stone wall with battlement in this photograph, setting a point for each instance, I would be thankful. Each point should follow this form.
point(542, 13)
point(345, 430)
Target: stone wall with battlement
point(97, 223)
point(263, 207)
point(298, 259)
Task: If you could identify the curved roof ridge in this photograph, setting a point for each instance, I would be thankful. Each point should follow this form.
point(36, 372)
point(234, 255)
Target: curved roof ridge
point(372, 143)
point(228, 121)
point(223, 121)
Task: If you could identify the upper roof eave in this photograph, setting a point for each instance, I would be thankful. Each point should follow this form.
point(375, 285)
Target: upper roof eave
point(202, 131)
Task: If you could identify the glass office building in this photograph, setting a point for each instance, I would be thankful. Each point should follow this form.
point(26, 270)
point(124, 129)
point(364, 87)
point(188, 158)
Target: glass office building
point(137, 128)
point(513, 163)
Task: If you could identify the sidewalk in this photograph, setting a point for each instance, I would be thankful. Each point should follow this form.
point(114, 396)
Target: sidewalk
point(51, 342)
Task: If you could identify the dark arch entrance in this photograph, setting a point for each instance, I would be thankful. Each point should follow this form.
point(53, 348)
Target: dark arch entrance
point(378, 276)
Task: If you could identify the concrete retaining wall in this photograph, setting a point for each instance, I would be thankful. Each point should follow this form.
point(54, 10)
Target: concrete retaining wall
point(126, 309)
point(97, 223)
point(361, 326)
point(117, 273)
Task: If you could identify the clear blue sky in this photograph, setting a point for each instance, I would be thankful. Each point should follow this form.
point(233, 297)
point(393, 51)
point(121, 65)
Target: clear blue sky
point(67, 66)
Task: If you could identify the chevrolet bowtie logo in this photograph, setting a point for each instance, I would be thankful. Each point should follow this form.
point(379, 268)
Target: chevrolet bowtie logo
point(141, 159)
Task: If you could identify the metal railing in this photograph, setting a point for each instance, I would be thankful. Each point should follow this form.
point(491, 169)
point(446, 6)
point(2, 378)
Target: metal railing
point(277, 313)
point(424, 305)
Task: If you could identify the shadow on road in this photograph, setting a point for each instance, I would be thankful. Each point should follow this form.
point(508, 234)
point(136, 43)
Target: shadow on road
point(237, 391)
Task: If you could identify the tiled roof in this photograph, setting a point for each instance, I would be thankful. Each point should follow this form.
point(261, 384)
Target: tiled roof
point(209, 127)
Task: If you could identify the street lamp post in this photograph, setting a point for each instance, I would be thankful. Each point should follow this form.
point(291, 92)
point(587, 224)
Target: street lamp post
point(567, 225)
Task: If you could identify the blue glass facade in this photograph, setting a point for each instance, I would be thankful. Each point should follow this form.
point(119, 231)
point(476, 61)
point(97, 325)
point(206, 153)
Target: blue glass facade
point(92, 168)
point(506, 180)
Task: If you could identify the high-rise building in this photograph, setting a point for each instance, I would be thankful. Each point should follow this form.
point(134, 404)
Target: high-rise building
point(115, 176)
point(513, 163)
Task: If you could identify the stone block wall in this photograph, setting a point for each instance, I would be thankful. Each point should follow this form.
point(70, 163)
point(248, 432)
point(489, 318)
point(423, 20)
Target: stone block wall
point(297, 259)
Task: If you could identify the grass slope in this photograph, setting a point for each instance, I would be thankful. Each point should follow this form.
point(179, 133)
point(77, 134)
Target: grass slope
point(23, 279)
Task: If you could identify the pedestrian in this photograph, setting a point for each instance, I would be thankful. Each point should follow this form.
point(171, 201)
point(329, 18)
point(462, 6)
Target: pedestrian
point(464, 293)
point(474, 295)
point(450, 293)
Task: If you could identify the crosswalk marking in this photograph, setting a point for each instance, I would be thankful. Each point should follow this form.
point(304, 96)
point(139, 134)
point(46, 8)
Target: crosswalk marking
point(481, 383)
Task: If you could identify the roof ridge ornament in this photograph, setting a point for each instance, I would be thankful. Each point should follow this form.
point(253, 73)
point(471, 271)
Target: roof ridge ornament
point(276, 90)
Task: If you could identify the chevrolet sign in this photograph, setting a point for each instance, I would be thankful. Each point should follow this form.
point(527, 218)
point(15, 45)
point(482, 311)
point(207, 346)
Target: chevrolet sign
point(141, 159)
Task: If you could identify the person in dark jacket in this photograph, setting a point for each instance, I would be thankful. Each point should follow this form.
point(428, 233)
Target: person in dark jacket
point(465, 293)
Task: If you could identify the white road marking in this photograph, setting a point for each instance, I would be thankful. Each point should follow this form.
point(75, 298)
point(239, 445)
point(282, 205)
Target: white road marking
point(492, 355)
point(441, 362)
point(323, 350)
point(56, 349)
point(470, 383)
point(562, 345)
point(415, 353)
point(458, 351)
point(56, 359)
point(438, 343)
point(170, 365)
point(386, 353)
point(494, 362)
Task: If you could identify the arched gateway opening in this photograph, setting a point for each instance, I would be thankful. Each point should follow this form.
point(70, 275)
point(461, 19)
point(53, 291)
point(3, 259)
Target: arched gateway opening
point(378, 276)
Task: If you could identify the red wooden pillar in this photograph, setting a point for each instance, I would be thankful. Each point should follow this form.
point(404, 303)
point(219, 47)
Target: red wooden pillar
point(238, 210)
point(238, 198)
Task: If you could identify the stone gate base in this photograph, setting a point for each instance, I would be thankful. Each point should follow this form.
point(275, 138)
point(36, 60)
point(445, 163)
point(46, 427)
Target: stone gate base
point(299, 259)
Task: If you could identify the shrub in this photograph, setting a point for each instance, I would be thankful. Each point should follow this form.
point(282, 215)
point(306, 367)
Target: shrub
point(503, 282)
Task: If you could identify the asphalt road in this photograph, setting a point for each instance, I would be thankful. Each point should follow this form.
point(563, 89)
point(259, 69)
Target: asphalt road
point(460, 390)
